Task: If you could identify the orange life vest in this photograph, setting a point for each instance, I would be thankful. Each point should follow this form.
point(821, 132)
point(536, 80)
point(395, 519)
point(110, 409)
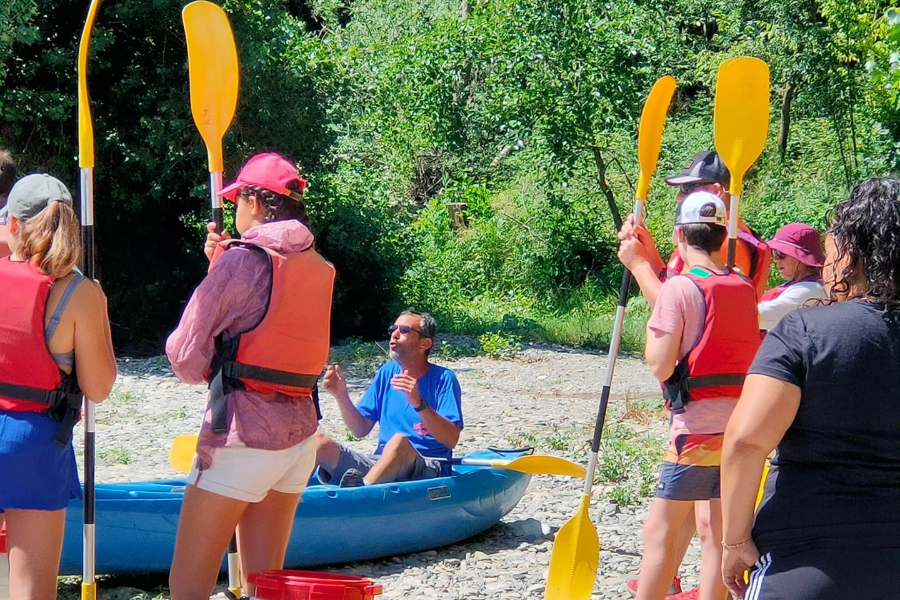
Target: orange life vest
point(30, 380)
point(754, 259)
point(287, 350)
point(717, 364)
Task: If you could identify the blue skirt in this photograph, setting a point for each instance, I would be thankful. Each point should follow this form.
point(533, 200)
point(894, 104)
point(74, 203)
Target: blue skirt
point(35, 472)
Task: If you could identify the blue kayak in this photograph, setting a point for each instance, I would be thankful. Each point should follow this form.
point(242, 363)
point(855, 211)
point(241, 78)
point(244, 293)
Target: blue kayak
point(136, 522)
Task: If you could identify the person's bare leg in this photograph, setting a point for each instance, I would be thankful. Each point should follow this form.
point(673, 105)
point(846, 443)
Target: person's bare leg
point(328, 451)
point(397, 461)
point(263, 534)
point(34, 544)
point(661, 535)
point(709, 527)
point(205, 527)
point(685, 535)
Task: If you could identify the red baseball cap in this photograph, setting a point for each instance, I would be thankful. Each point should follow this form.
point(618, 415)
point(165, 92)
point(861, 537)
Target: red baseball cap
point(799, 241)
point(269, 171)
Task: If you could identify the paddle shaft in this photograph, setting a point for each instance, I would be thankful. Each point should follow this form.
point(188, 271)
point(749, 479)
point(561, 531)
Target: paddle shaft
point(215, 186)
point(90, 444)
point(614, 343)
point(732, 229)
point(86, 163)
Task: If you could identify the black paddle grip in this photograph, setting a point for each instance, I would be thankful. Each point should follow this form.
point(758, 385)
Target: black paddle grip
point(218, 219)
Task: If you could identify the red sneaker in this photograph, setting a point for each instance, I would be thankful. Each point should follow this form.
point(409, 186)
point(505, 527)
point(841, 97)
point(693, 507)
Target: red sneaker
point(693, 594)
point(674, 589)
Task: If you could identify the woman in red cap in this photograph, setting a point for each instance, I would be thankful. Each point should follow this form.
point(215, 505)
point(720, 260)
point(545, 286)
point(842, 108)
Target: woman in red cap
point(797, 250)
point(257, 330)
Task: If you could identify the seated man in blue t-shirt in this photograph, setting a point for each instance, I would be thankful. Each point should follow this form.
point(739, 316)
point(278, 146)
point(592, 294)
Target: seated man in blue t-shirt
point(416, 404)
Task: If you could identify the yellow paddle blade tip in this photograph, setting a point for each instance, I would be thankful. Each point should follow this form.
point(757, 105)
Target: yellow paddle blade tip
point(181, 455)
point(653, 119)
point(576, 555)
point(741, 115)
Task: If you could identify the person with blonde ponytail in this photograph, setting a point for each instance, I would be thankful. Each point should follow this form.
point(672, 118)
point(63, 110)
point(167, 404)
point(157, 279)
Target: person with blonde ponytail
point(53, 320)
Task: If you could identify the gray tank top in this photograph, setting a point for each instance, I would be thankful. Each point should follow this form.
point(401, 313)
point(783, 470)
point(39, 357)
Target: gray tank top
point(65, 359)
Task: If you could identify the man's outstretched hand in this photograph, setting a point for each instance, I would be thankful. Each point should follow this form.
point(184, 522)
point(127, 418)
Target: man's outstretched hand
point(406, 383)
point(334, 381)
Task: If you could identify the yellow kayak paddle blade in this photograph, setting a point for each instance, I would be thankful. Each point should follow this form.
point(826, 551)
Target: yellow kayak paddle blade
point(576, 554)
point(741, 115)
point(85, 124)
point(541, 465)
point(653, 118)
point(181, 455)
point(213, 70)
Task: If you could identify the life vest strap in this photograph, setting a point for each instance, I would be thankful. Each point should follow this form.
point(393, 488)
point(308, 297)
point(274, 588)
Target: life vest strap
point(63, 403)
point(227, 375)
point(236, 370)
point(717, 380)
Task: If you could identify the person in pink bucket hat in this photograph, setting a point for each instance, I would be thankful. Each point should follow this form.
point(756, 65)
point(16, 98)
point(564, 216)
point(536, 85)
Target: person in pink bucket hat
point(797, 251)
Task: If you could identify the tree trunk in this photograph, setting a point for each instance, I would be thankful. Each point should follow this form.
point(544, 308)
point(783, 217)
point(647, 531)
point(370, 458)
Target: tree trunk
point(604, 186)
point(785, 129)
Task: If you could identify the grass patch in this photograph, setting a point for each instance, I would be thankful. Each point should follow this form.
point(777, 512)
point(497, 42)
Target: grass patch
point(629, 463)
point(120, 396)
point(116, 456)
point(172, 415)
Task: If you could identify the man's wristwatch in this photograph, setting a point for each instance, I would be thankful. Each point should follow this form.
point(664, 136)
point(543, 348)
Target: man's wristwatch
point(423, 404)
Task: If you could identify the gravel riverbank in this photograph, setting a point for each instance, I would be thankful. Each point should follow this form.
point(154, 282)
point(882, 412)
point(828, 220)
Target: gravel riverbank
point(540, 394)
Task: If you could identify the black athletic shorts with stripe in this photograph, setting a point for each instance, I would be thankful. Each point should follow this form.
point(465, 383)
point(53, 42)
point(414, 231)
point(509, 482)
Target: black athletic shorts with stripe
point(827, 574)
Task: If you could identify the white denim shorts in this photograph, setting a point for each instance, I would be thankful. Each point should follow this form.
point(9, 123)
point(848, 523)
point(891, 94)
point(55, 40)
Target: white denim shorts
point(247, 474)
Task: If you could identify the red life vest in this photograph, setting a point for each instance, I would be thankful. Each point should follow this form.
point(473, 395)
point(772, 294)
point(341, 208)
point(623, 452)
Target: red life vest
point(760, 256)
point(717, 364)
point(286, 351)
point(30, 380)
point(4, 244)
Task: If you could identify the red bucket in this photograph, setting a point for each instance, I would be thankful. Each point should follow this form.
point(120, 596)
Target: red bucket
point(3, 538)
point(310, 585)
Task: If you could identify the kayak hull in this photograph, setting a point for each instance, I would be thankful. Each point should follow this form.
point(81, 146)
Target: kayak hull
point(136, 522)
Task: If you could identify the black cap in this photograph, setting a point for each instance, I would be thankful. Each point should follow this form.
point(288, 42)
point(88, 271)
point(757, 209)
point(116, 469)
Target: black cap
point(703, 166)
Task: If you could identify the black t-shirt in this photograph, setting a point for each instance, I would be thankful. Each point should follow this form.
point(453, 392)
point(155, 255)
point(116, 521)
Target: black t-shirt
point(835, 480)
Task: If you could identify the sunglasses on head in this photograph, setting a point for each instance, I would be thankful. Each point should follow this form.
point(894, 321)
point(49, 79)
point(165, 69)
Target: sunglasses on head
point(405, 329)
point(778, 255)
point(687, 188)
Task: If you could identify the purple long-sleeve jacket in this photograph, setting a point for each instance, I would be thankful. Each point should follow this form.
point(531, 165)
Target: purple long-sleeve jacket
point(231, 299)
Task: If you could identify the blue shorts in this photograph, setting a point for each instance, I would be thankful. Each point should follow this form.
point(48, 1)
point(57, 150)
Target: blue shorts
point(690, 470)
point(35, 472)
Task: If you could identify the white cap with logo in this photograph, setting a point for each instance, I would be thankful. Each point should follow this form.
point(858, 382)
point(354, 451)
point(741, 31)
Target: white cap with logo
point(689, 211)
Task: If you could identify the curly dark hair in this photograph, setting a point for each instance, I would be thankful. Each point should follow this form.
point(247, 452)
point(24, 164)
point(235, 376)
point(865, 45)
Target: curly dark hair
point(866, 229)
point(278, 206)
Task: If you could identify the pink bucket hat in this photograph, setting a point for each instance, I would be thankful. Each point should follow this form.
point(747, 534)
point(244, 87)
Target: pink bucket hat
point(269, 171)
point(799, 241)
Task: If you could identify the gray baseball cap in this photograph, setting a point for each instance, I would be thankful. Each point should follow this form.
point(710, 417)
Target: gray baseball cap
point(31, 194)
point(703, 166)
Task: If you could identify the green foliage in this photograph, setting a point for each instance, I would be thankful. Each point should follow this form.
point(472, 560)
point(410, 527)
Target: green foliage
point(525, 111)
point(499, 345)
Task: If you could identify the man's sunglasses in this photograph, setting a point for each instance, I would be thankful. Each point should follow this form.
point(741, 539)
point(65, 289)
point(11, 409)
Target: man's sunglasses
point(405, 329)
point(687, 188)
